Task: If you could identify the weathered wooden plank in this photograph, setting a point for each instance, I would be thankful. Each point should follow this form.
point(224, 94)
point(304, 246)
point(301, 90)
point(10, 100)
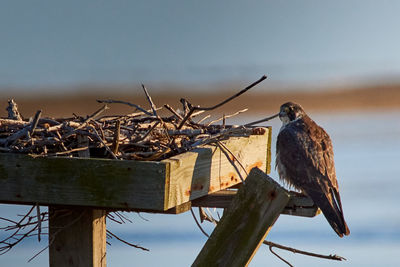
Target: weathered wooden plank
point(298, 205)
point(77, 237)
point(245, 223)
point(207, 170)
point(220, 199)
point(129, 185)
point(83, 182)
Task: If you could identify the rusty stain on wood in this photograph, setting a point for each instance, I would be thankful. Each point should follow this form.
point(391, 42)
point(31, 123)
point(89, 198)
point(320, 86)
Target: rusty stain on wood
point(257, 164)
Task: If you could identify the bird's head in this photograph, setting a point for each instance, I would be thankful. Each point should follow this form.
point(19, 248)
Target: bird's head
point(290, 111)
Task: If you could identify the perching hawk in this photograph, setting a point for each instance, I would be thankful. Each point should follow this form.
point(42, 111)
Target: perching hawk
point(304, 159)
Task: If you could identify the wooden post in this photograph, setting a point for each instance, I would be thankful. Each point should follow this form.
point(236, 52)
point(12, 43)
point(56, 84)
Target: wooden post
point(77, 237)
point(245, 223)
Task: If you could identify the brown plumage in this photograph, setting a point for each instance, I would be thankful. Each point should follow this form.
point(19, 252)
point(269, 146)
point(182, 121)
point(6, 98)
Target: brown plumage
point(304, 160)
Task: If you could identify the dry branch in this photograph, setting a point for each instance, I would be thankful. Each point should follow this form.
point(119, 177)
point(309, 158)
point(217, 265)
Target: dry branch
point(12, 110)
point(126, 242)
point(262, 120)
point(228, 116)
point(153, 107)
point(294, 250)
point(193, 109)
point(143, 135)
point(109, 101)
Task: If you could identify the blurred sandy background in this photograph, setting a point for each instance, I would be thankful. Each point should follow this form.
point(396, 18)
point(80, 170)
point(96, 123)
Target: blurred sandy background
point(258, 100)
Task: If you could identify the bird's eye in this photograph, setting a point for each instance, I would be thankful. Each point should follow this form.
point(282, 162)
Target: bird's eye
point(286, 109)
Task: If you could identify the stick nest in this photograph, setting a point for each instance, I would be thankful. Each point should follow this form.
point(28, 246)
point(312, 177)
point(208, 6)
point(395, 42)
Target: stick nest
point(142, 135)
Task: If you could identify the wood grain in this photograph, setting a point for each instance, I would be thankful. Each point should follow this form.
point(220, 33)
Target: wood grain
point(77, 237)
point(206, 170)
point(128, 184)
point(101, 183)
point(245, 223)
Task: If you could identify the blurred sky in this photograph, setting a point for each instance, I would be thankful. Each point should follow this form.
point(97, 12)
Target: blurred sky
point(72, 43)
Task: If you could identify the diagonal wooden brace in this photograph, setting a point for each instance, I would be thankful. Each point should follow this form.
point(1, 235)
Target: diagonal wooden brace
point(245, 223)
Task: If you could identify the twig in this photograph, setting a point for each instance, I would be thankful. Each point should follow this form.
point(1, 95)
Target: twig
point(11, 245)
point(12, 110)
point(329, 257)
point(279, 257)
point(153, 107)
point(192, 109)
point(129, 244)
point(91, 117)
point(147, 133)
point(233, 156)
point(195, 114)
point(141, 217)
point(96, 113)
point(115, 144)
point(7, 220)
point(109, 101)
point(35, 121)
point(127, 116)
point(222, 148)
point(78, 149)
point(102, 141)
point(262, 120)
point(204, 216)
point(15, 236)
point(122, 217)
point(38, 220)
point(28, 129)
point(223, 134)
point(228, 116)
point(198, 224)
point(51, 240)
point(234, 96)
point(203, 119)
point(185, 105)
point(173, 111)
point(187, 132)
point(13, 123)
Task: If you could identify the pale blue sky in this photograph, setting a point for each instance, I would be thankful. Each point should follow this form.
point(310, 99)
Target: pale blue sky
point(69, 43)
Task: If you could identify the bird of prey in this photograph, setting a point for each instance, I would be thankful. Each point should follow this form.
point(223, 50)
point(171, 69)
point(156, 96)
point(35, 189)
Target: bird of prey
point(304, 160)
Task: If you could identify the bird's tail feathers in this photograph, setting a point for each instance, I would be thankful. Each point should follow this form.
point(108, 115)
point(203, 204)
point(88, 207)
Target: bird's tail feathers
point(332, 210)
point(337, 205)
